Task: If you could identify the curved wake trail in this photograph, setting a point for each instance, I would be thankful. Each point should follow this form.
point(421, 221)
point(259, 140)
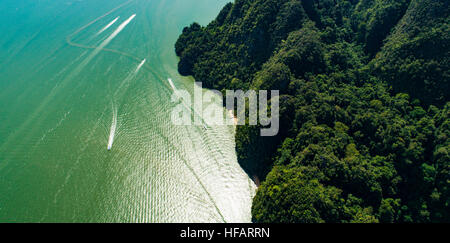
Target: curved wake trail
point(97, 51)
point(107, 26)
point(69, 38)
point(107, 41)
point(116, 32)
point(121, 86)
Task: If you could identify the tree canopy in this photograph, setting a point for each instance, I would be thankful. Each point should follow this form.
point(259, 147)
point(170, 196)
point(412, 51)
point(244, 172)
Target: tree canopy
point(365, 108)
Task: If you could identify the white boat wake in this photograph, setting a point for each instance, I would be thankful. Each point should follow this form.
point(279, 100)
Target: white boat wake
point(140, 66)
point(107, 26)
point(122, 87)
point(106, 41)
point(172, 85)
point(126, 82)
point(116, 32)
point(112, 132)
point(101, 47)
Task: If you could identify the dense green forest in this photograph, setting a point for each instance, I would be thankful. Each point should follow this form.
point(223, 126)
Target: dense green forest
point(364, 104)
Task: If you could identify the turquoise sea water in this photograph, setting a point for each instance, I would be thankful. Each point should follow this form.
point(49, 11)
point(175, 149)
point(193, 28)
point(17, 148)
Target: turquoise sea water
point(74, 74)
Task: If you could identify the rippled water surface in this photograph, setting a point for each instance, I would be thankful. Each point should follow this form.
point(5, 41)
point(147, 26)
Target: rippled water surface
point(79, 77)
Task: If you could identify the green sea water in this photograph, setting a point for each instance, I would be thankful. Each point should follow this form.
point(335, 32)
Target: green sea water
point(74, 74)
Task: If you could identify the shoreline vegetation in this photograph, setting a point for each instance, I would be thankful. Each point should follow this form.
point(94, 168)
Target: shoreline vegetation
point(364, 105)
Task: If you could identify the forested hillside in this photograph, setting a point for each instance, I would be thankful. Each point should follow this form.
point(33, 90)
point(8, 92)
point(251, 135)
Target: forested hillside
point(364, 104)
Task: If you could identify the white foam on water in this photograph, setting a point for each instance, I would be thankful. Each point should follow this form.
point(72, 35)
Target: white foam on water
point(112, 132)
point(122, 87)
point(106, 42)
point(107, 26)
point(125, 83)
point(140, 66)
point(172, 85)
point(116, 32)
